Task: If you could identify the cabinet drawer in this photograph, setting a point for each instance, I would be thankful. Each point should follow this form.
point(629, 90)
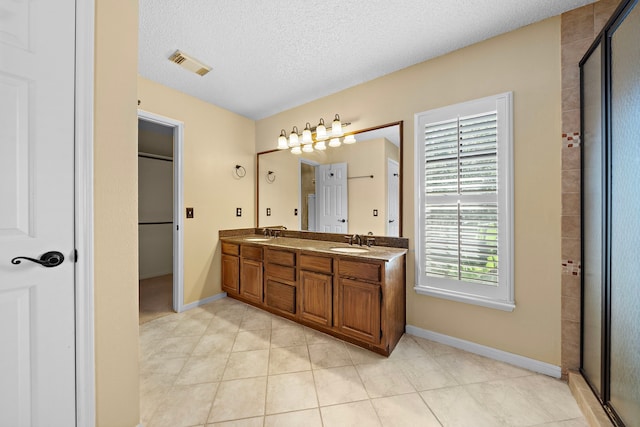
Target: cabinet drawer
point(230, 249)
point(280, 296)
point(280, 257)
point(316, 263)
point(251, 252)
point(360, 270)
point(280, 272)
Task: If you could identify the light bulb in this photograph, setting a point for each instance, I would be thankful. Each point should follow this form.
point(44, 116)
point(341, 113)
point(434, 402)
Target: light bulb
point(349, 139)
point(307, 148)
point(296, 150)
point(321, 131)
point(320, 146)
point(335, 142)
point(282, 141)
point(306, 135)
point(336, 127)
point(293, 137)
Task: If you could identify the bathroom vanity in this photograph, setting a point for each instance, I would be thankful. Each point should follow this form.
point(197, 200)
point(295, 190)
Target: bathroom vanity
point(356, 293)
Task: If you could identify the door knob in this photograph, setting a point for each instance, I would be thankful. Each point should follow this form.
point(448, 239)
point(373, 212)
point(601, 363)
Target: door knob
point(49, 259)
point(342, 220)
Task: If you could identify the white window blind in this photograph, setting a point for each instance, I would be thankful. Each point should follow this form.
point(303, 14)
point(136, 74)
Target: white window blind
point(464, 201)
point(461, 234)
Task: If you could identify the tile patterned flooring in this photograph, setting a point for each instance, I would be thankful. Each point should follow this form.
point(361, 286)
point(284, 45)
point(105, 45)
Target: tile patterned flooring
point(230, 364)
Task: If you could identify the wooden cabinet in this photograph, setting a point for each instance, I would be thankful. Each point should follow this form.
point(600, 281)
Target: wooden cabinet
point(230, 273)
point(361, 300)
point(251, 285)
point(359, 309)
point(316, 299)
point(251, 279)
point(316, 289)
point(230, 268)
point(280, 284)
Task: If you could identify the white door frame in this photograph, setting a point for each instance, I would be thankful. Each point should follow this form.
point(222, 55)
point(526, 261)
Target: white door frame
point(178, 191)
point(84, 284)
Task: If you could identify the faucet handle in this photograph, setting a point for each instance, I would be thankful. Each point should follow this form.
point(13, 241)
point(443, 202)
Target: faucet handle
point(349, 239)
point(370, 241)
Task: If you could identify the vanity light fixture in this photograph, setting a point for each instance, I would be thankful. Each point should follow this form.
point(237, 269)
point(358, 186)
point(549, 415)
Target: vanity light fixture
point(283, 144)
point(321, 131)
point(314, 138)
point(334, 142)
point(336, 127)
point(293, 138)
point(306, 135)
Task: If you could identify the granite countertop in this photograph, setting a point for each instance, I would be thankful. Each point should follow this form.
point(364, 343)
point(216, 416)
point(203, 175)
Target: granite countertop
point(374, 252)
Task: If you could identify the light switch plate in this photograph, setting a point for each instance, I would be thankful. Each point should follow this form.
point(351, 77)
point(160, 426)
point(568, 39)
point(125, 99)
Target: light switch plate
point(375, 212)
point(189, 212)
point(238, 211)
point(268, 211)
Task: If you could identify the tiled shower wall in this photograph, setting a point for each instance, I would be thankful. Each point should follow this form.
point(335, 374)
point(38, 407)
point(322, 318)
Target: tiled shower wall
point(579, 29)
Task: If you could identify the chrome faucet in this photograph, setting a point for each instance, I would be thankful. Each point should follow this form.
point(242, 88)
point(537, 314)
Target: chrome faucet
point(358, 239)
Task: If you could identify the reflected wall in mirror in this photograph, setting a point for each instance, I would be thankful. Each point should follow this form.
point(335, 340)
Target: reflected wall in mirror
point(349, 189)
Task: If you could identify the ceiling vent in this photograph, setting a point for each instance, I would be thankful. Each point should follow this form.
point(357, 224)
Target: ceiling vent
point(190, 63)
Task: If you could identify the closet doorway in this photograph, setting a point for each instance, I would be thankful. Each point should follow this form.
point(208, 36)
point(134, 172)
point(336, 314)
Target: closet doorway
point(159, 216)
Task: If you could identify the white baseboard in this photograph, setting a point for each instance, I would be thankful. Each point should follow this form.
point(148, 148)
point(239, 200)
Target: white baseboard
point(203, 301)
point(492, 353)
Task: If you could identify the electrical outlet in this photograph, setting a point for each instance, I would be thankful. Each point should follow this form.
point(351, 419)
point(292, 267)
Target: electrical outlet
point(268, 211)
point(375, 212)
point(189, 212)
point(295, 212)
point(238, 211)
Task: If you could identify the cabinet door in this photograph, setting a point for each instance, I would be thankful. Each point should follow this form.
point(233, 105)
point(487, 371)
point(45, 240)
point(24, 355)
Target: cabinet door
point(251, 280)
point(359, 309)
point(316, 301)
point(230, 273)
point(280, 296)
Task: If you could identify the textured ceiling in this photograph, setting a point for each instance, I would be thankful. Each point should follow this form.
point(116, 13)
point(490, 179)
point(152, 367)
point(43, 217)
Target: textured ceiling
point(269, 56)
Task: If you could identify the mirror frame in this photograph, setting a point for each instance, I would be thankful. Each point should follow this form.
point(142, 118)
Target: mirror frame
point(400, 125)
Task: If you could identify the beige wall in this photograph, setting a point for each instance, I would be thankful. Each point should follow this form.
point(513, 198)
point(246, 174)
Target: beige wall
point(116, 213)
point(215, 140)
point(527, 62)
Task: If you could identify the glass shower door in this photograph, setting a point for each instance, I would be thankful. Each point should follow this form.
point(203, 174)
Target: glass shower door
point(625, 220)
point(592, 218)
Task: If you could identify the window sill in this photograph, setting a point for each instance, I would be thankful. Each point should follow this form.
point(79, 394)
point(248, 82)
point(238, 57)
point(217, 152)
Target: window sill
point(465, 298)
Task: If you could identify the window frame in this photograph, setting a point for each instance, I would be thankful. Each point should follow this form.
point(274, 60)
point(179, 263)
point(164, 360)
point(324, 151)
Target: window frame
point(501, 296)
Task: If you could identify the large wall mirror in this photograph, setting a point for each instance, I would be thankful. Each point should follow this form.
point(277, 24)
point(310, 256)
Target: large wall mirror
point(350, 189)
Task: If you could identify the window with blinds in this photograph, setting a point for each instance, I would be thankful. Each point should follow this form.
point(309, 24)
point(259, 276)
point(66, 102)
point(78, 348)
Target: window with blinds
point(463, 163)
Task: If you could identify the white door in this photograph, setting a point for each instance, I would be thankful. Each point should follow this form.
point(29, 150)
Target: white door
point(331, 198)
point(37, 333)
point(393, 198)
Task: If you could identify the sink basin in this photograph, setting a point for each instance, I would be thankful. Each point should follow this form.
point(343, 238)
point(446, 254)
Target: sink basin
point(349, 250)
point(257, 239)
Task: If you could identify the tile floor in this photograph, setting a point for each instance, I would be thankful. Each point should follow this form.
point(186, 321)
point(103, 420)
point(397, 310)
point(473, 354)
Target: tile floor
point(229, 364)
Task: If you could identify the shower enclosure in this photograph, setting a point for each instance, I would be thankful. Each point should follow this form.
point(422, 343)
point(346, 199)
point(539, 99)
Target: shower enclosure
point(610, 89)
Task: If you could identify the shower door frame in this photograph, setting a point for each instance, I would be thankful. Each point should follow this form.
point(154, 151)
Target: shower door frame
point(604, 41)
